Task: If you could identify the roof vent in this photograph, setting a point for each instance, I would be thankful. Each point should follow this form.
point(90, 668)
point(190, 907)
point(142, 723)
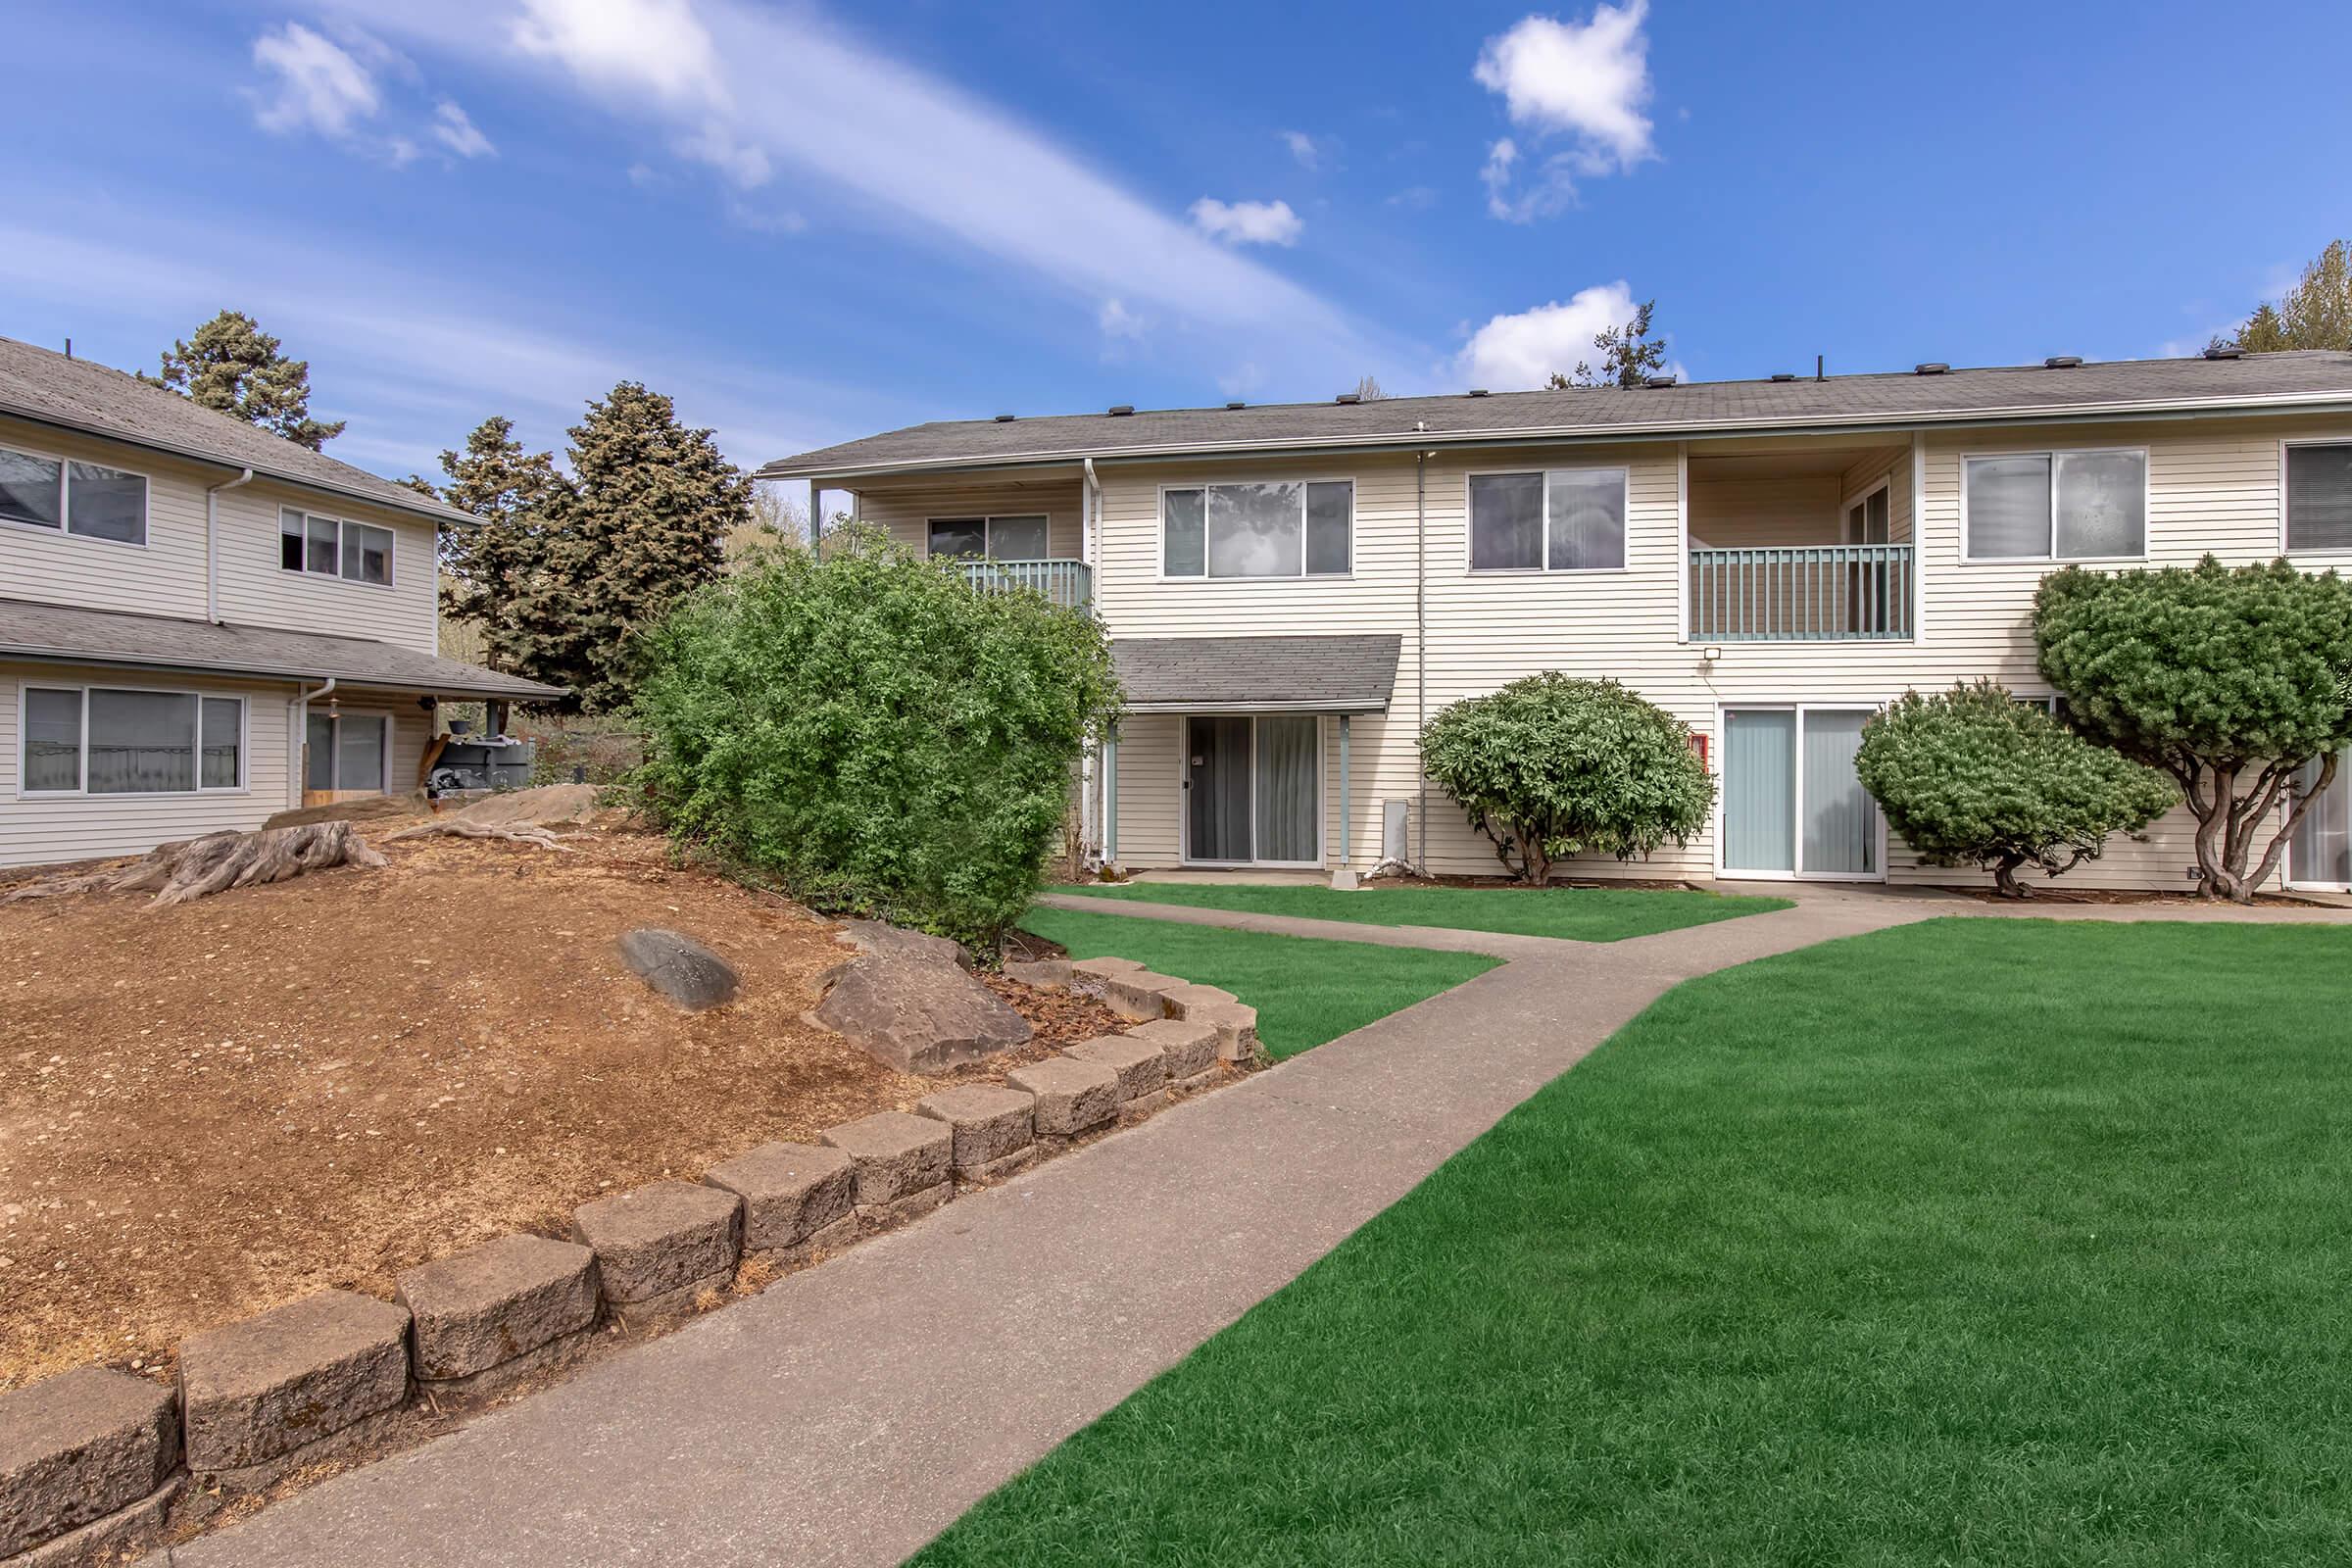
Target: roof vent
point(1119, 410)
point(1930, 367)
point(1005, 418)
point(1783, 375)
point(2062, 361)
point(1349, 397)
point(1237, 405)
point(1476, 392)
point(2224, 351)
point(1659, 380)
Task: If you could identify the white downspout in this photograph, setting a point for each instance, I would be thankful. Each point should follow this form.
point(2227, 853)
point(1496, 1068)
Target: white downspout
point(1090, 811)
point(299, 742)
point(212, 543)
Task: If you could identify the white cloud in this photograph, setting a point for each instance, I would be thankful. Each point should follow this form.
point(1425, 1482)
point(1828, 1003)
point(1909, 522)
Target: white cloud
point(1588, 82)
point(904, 149)
point(456, 130)
point(1246, 222)
point(1512, 353)
point(654, 45)
point(1117, 322)
point(319, 86)
point(745, 166)
point(1304, 148)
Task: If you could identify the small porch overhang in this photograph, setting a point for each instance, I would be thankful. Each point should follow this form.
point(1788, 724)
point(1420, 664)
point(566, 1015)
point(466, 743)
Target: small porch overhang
point(68, 634)
point(1334, 675)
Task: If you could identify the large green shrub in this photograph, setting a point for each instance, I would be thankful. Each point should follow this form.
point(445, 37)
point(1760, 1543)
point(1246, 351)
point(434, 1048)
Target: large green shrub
point(1973, 776)
point(2232, 681)
point(1552, 765)
point(874, 733)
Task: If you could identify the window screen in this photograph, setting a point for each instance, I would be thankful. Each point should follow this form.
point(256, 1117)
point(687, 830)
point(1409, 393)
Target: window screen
point(1184, 533)
point(2319, 498)
point(1584, 520)
point(52, 740)
point(141, 743)
point(106, 503)
point(1506, 521)
point(2008, 508)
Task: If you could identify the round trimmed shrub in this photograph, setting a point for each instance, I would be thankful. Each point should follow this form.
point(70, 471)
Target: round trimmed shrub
point(873, 733)
point(1553, 765)
point(1973, 776)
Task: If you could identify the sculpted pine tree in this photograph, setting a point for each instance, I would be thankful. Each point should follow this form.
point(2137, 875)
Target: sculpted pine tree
point(486, 568)
point(233, 368)
point(642, 522)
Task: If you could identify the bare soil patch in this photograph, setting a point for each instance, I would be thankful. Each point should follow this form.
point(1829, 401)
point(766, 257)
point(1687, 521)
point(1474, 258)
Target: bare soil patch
point(209, 1109)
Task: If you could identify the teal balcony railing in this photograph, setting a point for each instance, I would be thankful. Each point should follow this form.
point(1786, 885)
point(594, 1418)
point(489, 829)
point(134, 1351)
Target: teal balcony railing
point(1801, 593)
point(1066, 584)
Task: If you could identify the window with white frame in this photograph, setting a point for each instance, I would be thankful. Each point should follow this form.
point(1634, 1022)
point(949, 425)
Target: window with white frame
point(2319, 497)
point(2056, 505)
point(1019, 538)
point(1554, 519)
point(104, 740)
point(1261, 528)
point(330, 547)
point(72, 497)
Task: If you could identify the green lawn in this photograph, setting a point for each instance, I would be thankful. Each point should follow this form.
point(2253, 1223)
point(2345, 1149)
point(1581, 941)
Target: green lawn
point(1975, 1242)
point(1582, 914)
point(1305, 991)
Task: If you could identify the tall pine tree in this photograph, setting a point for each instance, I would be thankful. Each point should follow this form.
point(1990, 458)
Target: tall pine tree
point(233, 368)
point(2316, 313)
point(641, 522)
point(486, 567)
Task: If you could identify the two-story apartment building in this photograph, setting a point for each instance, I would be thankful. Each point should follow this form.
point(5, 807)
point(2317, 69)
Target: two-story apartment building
point(1291, 590)
point(201, 623)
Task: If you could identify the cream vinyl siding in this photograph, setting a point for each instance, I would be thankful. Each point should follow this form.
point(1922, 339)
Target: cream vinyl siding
point(255, 591)
point(166, 577)
point(45, 830)
point(905, 514)
point(2214, 484)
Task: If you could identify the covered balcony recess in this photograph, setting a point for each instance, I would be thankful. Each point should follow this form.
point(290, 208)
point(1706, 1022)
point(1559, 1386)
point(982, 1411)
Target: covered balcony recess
point(1801, 546)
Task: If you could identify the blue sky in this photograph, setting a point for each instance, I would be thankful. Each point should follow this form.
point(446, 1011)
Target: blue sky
point(810, 222)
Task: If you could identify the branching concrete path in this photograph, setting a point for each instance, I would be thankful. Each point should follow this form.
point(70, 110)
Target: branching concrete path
point(853, 1411)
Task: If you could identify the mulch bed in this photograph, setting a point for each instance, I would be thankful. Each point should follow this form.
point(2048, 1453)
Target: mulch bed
point(210, 1109)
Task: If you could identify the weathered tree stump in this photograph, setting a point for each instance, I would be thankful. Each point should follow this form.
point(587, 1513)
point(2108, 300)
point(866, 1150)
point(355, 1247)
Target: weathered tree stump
point(191, 868)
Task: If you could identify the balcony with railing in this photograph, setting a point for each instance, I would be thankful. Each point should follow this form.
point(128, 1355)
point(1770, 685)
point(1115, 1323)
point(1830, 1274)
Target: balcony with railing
point(1801, 593)
point(1066, 584)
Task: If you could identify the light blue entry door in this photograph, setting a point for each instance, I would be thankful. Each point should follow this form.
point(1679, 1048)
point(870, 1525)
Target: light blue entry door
point(1792, 802)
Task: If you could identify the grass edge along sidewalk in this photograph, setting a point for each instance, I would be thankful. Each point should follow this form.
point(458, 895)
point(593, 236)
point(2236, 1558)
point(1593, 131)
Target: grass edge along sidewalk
point(1576, 914)
point(1305, 990)
point(1970, 1241)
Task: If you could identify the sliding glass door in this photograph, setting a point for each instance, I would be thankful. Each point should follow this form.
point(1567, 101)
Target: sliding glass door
point(2320, 855)
point(1791, 804)
point(1252, 790)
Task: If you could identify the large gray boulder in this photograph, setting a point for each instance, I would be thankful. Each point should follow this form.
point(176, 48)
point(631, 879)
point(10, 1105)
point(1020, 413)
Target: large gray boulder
point(679, 967)
point(913, 1002)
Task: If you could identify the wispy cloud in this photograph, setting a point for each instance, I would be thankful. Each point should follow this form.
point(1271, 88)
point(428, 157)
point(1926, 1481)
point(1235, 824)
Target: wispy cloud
point(414, 356)
point(903, 148)
point(313, 84)
point(453, 129)
point(1585, 81)
point(1246, 222)
point(1304, 148)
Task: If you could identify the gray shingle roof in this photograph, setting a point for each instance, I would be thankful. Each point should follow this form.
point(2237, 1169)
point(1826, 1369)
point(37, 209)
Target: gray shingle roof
point(2122, 386)
point(1257, 674)
point(40, 384)
point(162, 642)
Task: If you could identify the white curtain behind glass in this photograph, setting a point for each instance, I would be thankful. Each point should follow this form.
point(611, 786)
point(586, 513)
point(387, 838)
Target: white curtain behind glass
point(1285, 789)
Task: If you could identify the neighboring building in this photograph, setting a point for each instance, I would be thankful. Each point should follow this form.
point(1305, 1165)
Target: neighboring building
point(200, 623)
point(1293, 589)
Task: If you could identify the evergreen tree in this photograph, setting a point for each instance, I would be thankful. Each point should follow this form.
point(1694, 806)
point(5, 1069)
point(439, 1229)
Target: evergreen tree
point(2316, 313)
point(486, 567)
point(1628, 356)
point(642, 522)
point(234, 367)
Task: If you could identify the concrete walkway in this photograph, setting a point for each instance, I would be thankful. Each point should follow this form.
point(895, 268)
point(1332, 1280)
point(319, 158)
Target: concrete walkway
point(853, 1411)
